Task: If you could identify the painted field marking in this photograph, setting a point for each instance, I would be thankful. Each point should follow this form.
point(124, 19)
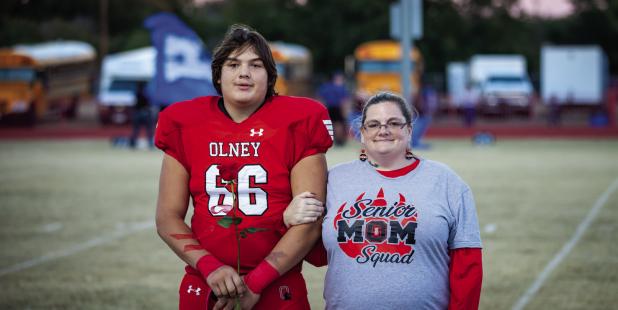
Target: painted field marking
point(583, 226)
point(121, 231)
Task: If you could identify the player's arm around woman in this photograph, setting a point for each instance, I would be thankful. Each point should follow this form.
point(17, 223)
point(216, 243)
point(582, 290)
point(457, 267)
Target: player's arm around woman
point(307, 176)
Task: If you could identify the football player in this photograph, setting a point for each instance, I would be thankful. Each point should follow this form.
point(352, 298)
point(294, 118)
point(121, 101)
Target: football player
point(278, 145)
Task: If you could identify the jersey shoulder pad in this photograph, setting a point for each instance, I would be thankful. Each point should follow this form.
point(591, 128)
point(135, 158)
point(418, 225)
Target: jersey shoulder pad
point(299, 105)
point(185, 113)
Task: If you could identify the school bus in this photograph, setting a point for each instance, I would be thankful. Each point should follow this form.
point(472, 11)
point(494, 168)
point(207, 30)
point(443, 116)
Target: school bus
point(294, 68)
point(47, 79)
point(378, 67)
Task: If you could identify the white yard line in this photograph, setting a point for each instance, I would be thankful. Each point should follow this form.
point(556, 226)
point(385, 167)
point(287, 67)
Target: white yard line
point(119, 233)
point(566, 249)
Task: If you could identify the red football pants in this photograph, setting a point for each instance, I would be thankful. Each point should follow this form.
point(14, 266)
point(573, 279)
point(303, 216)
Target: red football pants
point(287, 292)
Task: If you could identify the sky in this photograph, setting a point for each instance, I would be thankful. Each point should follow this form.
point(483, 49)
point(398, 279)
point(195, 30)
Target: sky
point(547, 8)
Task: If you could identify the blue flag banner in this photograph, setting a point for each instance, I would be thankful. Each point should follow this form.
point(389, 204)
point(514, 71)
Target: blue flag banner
point(182, 62)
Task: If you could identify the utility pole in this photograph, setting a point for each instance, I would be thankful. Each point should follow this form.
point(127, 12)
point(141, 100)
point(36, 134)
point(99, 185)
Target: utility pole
point(406, 47)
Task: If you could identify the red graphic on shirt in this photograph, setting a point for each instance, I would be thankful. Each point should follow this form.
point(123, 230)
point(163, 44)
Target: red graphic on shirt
point(376, 231)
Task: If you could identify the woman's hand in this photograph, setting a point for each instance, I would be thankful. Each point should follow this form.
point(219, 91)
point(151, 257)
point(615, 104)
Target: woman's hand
point(304, 208)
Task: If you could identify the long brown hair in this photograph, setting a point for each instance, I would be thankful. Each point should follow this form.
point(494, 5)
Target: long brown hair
point(237, 39)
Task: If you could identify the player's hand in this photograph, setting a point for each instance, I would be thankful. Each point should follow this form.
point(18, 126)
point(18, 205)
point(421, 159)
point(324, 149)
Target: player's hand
point(304, 208)
point(247, 302)
point(226, 283)
point(249, 299)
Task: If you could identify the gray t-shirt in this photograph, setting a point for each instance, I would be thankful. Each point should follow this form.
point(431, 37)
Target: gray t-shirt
point(388, 239)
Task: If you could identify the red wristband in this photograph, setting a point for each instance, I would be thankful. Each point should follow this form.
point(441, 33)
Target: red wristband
point(260, 277)
point(207, 264)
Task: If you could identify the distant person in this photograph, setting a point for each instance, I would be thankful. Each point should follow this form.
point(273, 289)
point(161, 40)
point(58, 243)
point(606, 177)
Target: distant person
point(142, 117)
point(335, 95)
point(71, 110)
point(426, 104)
point(554, 113)
point(400, 232)
point(469, 105)
point(598, 117)
point(355, 112)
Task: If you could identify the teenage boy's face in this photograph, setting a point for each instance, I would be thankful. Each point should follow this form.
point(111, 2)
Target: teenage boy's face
point(244, 80)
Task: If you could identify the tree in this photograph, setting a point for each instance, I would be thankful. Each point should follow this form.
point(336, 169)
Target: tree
point(331, 29)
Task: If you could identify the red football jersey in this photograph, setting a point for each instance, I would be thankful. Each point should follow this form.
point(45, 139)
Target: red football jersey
point(267, 145)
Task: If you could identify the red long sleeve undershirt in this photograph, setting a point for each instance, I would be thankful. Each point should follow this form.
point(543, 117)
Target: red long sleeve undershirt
point(465, 278)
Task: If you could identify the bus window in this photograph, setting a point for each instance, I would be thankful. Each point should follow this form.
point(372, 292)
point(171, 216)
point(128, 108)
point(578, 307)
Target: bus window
point(124, 85)
point(380, 66)
point(22, 74)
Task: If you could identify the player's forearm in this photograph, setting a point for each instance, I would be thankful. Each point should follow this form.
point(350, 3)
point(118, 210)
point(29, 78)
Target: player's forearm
point(294, 246)
point(308, 175)
point(172, 207)
point(180, 238)
point(288, 252)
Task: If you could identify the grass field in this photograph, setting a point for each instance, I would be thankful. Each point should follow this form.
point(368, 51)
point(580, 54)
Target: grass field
point(76, 224)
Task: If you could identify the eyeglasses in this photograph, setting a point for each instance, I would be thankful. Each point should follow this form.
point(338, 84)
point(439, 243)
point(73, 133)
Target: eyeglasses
point(392, 126)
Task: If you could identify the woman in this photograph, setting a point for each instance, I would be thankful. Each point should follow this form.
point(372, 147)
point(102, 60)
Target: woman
point(273, 146)
point(400, 232)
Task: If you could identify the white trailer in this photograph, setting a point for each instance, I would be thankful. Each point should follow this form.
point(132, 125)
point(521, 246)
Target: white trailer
point(120, 75)
point(573, 75)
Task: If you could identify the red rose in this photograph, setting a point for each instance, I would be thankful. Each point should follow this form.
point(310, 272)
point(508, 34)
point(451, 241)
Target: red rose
point(229, 171)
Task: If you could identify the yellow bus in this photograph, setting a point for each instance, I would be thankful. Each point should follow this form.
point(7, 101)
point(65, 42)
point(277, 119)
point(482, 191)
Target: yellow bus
point(294, 68)
point(378, 67)
point(47, 79)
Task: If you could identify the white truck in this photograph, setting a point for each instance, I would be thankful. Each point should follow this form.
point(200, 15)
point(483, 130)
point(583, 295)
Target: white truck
point(573, 75)
point(120, 75)
point(503, 83)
